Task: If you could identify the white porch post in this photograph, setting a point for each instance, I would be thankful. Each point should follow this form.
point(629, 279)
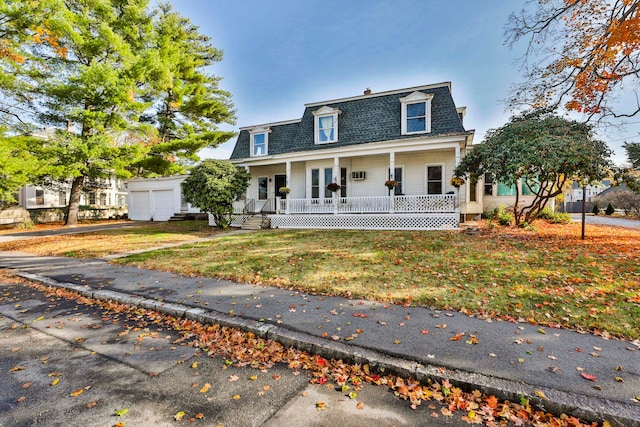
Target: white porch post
point(460, 195)
point(288, 179)
point(392, 177)
point(336, 178)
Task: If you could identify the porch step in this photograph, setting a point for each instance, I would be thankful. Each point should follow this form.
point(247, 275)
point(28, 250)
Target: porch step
point(255, 223)
point(184, 216)
point(179, 217)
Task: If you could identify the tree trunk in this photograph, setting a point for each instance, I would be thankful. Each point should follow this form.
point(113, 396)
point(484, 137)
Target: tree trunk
point(74, 202)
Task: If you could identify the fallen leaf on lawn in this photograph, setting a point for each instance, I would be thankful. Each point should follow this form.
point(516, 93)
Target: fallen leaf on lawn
point(587, 376)
point(179, 416)
point(205, 388)
point(121, 412)
point(76, 393)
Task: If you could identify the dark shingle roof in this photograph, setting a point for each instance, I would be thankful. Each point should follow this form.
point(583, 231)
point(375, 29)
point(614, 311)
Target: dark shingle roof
point(362, 120)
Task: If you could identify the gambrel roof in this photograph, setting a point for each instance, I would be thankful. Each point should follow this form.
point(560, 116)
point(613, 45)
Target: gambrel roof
point(363, 119)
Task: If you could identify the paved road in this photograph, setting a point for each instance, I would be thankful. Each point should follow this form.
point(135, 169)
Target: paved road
point(607, 220)
point(52, 348)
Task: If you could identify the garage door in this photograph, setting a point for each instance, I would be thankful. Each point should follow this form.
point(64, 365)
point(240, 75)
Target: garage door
point(163, 203)
point(139, 206)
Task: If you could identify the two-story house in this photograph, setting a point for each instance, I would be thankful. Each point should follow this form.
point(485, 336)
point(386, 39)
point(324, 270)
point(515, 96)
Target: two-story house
point(374, 161)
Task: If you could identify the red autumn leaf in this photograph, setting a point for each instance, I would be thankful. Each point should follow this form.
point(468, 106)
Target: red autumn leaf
point(587, 376)
point(425, 332)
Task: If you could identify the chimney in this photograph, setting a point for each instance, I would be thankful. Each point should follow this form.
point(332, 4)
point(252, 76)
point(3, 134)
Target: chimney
point(367, 91)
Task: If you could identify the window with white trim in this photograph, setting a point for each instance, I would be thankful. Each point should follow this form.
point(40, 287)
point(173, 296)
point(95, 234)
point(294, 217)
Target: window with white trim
point(416, 113)
point(263, 188)
point(326, 125)
point(259, 141)
point(435, 182)
point(398, 174)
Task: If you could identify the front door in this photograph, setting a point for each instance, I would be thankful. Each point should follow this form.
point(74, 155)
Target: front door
point(279, 182)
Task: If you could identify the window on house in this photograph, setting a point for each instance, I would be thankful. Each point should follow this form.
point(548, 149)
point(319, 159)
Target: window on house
point(92, 198)
point(259, 144)
point(343, 182)
point(103, 199)
point(398, 175)
point(435, 183)
point(506, 189)
point(39, 197)
point(326, 125)
point(120, 200)
point(315, 183)
point(488, 184)
point(473, 191)
point(416, 117)
point(416, 113)
point(62, 198)
point(320, 178)
point(328, 179)
point(326, 129)
point(262, 188)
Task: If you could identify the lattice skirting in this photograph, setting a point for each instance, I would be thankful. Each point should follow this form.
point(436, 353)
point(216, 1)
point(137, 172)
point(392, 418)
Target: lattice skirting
point(440, 221)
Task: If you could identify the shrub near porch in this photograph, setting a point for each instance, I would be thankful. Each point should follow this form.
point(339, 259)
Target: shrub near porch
point(548, 276)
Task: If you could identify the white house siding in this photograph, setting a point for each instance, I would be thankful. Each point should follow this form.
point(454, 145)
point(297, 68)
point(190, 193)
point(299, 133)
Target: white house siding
point(27, 196)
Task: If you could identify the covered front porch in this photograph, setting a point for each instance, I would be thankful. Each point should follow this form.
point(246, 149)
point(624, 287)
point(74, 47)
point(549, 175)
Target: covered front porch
point(350, 190)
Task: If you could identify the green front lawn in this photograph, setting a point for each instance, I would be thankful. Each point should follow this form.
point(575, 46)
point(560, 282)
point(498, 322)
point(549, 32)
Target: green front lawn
point(548, 276)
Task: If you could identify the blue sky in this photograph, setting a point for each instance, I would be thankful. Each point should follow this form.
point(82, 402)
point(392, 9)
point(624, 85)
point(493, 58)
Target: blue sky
point(281, 54)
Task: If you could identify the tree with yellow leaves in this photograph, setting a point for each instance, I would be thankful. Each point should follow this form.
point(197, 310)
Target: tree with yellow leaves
point(581, 55)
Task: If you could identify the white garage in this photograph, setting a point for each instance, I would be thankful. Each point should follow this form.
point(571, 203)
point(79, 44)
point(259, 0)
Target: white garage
point(157, 199)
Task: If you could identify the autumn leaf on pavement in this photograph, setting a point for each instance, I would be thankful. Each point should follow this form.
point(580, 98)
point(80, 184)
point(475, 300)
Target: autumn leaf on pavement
point(205, 388)
point(194, 365)
point(320, 406)
point(76, 393)
point(457, 337)
point(587, 376)
point(233, 378)
point(55, 382)
point(121, 412)
point(179, 416)
point(360, 405)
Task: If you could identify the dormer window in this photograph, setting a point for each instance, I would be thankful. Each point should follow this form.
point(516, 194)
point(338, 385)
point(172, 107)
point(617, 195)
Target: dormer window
point(416, 113)
point(259, 138)
point(326, 125)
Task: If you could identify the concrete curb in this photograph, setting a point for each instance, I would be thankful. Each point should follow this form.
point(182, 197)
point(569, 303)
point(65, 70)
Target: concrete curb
point(556, 401)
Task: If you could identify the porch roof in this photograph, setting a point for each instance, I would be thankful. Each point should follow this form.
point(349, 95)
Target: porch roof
point(363, 119)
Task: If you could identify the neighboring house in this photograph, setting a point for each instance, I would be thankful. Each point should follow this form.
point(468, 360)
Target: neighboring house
point(100, 193)
point(157, 199)
point(413, 136)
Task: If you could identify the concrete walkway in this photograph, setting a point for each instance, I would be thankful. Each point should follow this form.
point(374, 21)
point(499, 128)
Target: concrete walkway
point(506, 358)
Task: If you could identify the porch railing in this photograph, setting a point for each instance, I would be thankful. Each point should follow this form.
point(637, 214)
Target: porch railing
point(373, 204)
